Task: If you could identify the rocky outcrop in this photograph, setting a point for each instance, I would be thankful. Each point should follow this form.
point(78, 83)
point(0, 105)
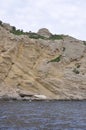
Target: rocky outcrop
point(7, 26)
point(44, 32)
point(41, 68)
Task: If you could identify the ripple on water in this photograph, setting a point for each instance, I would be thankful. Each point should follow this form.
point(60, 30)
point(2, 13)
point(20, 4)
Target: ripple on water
point(42, 115)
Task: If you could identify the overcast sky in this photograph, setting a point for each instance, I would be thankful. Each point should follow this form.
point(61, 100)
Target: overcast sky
point(59, 16)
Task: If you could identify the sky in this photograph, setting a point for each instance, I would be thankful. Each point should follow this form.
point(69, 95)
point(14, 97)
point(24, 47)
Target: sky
point(59, 16)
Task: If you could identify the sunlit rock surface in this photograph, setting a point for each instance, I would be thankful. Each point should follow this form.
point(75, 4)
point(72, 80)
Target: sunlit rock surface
point(41, 68)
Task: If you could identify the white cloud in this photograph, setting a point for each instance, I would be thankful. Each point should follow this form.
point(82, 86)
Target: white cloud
point(60, 16)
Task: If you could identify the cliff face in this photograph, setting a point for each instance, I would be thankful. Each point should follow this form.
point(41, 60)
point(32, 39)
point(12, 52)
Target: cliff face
point(41, 68)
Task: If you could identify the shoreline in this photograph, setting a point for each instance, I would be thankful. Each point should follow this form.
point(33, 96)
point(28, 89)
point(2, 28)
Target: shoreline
point(47, 100)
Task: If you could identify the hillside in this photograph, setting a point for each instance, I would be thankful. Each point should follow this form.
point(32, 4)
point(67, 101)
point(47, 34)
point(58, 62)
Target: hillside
point(41, 65)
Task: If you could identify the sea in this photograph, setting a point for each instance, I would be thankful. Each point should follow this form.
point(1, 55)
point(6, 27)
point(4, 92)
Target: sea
point(43, 115)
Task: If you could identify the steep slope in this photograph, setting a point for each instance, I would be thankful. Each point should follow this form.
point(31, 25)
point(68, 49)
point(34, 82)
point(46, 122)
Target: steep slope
point(41, 68)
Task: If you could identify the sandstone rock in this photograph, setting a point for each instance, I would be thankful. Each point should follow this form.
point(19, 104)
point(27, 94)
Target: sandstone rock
point(44, 32)
point(29, 68)
point(7, 26)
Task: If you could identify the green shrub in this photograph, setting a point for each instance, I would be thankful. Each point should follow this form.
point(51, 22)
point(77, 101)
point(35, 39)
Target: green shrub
point(52, 37)
point(13, 28)
point(63, 49)
point(57, 59)
point(84, 43)
point(76, 71)
point(17, 32)
point(35, 36)
point(78, 65)
point(1, 23)
point(55, 37)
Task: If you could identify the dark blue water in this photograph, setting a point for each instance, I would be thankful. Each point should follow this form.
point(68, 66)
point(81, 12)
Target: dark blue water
point(42, 115)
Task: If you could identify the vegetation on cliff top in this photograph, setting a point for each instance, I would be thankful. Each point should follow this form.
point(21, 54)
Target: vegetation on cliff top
point(35, 35)
point(0, 22)
point(84, 42)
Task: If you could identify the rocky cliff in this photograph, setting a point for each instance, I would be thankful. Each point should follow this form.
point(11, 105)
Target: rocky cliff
point(35, 66)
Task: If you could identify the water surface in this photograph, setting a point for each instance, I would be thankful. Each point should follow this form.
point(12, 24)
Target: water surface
point(43, 115)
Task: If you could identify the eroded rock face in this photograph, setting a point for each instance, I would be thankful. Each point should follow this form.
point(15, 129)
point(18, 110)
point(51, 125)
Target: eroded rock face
point(32, 68)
